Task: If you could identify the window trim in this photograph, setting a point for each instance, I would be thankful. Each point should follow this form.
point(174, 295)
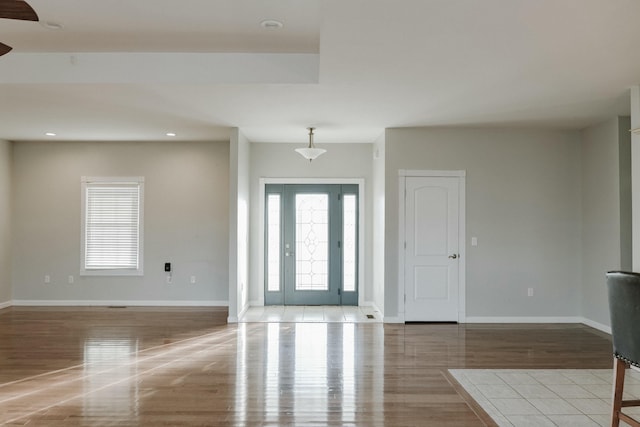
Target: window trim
point(87, 180)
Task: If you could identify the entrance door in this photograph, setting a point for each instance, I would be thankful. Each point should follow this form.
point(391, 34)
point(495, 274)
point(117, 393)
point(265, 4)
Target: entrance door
point(431, 254)
point(311, 244)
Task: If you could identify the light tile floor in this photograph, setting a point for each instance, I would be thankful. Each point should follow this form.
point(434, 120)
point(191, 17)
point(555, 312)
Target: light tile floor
point(546, 397)
point(331, 314)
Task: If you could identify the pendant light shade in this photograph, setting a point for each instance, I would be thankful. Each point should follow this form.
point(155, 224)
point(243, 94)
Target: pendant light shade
point(311, 152)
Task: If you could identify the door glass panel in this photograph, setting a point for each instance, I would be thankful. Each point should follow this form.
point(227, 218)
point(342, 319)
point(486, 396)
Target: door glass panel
point(312, 242)
point(349, 242)
point(273, 242)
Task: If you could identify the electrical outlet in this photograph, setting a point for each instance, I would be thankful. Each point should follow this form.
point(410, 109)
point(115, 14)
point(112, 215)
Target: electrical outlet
point(530, 292)
point(47, 279)
point(169, 279)
point(193, 279)
point(71, 280)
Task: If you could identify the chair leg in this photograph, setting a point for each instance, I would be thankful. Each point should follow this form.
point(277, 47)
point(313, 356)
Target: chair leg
point(618, 386)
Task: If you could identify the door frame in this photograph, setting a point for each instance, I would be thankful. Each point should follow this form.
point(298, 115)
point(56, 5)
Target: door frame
point(262, 182)
point(402, 178)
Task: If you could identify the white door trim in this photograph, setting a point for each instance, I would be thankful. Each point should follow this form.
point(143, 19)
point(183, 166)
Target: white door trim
point(461, 174)
point(259, 300)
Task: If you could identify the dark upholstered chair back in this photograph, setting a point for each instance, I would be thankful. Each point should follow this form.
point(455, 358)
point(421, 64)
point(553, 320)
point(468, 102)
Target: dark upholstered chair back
point(624, 308)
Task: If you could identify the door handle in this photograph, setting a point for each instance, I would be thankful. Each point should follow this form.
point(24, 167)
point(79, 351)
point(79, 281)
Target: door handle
point(288, 254)
point(454, 256)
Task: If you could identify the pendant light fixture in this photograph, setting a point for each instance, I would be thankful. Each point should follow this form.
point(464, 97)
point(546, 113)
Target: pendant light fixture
point(310, 152)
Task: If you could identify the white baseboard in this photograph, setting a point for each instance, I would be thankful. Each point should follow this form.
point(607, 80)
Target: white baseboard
point(5, 304)
point(256, 303)
point(524, 319)
point(128, 303)
point(243, 311)
point(393, 319)
point(520, 319)
point(233, 319)
point(373, 306)
point(596, 325)
point(544, 319)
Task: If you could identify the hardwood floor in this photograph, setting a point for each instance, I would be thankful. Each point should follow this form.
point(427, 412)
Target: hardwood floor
point(187, 367)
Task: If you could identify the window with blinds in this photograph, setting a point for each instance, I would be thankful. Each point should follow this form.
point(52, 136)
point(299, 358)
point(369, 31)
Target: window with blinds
point(112, 226)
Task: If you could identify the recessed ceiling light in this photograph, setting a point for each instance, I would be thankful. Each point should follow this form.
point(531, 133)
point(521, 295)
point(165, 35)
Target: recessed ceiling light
point(170, 134)
point(271, 24)
point(49, 25)
point(50, 134)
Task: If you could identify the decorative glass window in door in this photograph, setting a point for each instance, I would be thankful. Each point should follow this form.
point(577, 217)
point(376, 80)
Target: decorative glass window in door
point(312, 242)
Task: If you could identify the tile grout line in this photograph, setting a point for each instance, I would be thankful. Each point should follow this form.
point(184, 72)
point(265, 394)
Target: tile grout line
point(471, 380)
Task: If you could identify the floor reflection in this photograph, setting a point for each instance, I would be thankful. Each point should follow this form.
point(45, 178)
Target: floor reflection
point(309, 372)
point(309, 365)
point(115, 382)
point(272, 374)
point(348, 373)
point(242, 382)
point(109, 365)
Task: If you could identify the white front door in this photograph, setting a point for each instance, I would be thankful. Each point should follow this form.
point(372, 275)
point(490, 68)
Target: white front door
point(432, 254)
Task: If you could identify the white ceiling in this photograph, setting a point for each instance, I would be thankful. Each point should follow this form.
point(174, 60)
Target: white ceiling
point(562, 64)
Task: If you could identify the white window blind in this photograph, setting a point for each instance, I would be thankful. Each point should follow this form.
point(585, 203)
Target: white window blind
point(112, 226)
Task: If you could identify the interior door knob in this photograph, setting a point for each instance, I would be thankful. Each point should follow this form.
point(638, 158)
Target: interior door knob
point(454, 256)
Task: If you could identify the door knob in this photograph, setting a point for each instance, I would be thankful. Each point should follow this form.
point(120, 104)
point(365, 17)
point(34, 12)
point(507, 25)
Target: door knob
point(454, 256)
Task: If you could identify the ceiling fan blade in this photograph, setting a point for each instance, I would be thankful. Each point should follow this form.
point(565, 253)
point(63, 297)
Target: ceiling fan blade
point(4, 49)
point(17, 9)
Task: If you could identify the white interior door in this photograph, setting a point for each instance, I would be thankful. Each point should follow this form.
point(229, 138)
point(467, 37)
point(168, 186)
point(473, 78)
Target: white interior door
point(431, 248)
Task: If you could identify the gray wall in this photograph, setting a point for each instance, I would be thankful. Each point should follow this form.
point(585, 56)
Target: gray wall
point(523, 205)
point(606, 211)
point(5, 222)
point(281, 161)
point(186, 220)
point(626, 215)
point(634, 94)
point(551, 211)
